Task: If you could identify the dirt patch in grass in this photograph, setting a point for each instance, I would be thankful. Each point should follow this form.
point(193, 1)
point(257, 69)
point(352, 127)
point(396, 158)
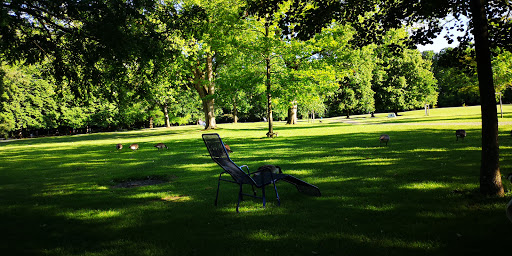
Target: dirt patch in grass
point(139, 182)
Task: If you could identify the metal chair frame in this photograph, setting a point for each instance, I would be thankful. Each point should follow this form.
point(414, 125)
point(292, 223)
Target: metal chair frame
point(219, 154)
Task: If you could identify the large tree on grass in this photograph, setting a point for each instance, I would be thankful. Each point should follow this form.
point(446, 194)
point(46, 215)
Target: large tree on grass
point(489, 24)
point(455, 72)
point(27, 101)
point(403, 80)
point(203, 31)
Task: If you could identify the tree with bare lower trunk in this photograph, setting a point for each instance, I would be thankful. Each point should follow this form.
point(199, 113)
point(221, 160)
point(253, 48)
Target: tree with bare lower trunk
point(375, 17)
point(203, 82)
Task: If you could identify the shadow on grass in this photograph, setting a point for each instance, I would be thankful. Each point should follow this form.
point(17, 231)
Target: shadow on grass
point(415, 196)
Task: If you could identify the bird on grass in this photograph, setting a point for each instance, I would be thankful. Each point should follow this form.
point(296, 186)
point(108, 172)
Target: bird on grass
point(119, 146)
point(160, 146)
point(384, 138)
point(460, 134)
point(134, 147)
point(228, 148)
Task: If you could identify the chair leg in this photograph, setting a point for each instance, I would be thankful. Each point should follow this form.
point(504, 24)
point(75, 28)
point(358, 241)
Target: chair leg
point(277, 195)
point(263, 196)
point(239, 198)
point(275, 188)
point(218, 187)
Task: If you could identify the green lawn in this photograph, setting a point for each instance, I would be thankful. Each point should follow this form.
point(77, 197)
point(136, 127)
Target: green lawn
point(417, 196)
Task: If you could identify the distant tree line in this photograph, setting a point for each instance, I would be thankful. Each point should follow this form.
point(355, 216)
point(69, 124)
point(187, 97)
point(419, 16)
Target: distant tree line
point(181, 61)
point(32, 104)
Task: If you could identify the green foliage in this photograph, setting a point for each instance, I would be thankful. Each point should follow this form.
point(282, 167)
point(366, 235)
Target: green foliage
point(404, 80)
point(502, 70)
point(86, 43)
point(187, 119)
point(27, 100)
point(164, 57)
point(455, 71)
point(105, 115)
point(6, 124)
point(353, 69)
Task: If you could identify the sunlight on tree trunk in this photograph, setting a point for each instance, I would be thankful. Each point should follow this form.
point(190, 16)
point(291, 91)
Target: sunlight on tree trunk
point(208, 107)
point(206, 90)
point(292, 114)
point(166, 113)
point(235, 111)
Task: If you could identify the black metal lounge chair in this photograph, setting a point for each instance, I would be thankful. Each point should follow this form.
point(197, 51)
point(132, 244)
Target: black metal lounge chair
point(258, 179)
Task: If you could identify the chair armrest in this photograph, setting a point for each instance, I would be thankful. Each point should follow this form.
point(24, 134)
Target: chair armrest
point(262, 171)
point(247, 169)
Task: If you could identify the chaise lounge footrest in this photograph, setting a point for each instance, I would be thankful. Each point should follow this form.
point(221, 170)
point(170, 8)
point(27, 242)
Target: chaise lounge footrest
point(302, 186)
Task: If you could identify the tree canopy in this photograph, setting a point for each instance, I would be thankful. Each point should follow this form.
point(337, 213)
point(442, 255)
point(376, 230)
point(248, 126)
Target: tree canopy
point(490, 26)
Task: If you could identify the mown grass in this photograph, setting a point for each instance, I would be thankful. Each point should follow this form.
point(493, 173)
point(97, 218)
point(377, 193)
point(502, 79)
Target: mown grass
point(417, 196)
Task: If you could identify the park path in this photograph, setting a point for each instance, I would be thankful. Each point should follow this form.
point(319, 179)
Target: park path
point(355, 122)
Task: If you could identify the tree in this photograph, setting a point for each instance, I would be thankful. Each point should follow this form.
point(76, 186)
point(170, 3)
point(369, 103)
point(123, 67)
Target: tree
point(269, 40)
point(502, 70)
point(404, 80)
point(27, 100)
point(80, 38)
point(455, 71)
point(307, 18)
point(202, 31)
point(352, 68)
point(490, 177)
point(240, 82)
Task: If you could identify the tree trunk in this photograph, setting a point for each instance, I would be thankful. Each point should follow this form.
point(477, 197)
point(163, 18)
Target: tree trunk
point(150, 122)
point(292, 115)
point(490, 177)
point(270, 132)
point(210, 115)
point(206, 90)
point(208, 108)
point(235, 111)
point(269, 102)
point(348, 114)
point(166, 113)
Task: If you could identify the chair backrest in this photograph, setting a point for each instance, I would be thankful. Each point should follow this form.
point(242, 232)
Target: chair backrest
point(219, 155)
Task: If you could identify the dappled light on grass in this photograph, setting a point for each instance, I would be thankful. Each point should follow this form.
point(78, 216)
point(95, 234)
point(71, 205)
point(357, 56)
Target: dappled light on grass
point(411, 197)
point(89, 214)
point(164, 196)
point(263, 235)
point(381, 241)
point(437, 215)
point(380, 208)
point(427, 185)
point(177, 198)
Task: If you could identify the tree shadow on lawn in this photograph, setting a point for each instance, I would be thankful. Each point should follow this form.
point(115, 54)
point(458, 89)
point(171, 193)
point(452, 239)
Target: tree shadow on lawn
point(412, 120)
point(415, 196)
point(120, 135)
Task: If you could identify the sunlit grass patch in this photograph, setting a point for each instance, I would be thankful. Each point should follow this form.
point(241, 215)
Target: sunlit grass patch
point(428, 185)
point(91, 214)
point(176, 198)
point(264, 235)
point(411, 197)
point(380, 208)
